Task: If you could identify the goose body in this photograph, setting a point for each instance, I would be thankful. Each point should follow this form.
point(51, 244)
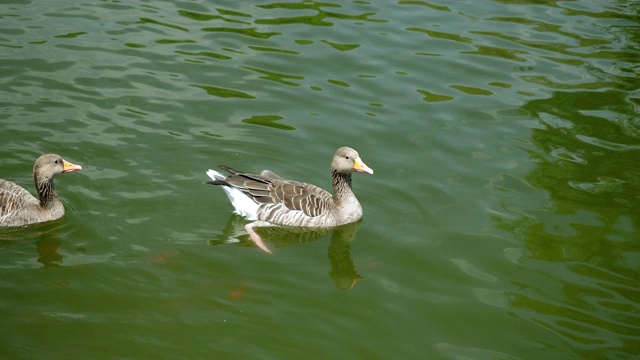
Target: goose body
point(272, 199)
point(18, 207)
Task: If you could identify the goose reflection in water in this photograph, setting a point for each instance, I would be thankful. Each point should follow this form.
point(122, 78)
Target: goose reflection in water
point(47, 238)
point(342, 271)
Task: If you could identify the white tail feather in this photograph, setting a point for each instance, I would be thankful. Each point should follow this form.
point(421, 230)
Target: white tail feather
point(214, 175)
point(243, 205)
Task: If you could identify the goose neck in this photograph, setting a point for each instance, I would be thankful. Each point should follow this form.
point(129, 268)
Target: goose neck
point(46, 192)
point(341, 187)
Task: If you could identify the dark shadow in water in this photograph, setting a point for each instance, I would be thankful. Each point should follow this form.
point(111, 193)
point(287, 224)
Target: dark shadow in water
point(343, 272)
point(583, 235)
point(47, 239)
point(590, 168)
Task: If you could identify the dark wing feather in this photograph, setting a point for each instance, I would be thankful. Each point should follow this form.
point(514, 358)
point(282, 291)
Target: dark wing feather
point(271, 189)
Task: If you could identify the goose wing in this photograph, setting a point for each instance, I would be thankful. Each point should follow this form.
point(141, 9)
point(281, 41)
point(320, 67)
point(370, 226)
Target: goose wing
point(272, 190)
point(13, 197)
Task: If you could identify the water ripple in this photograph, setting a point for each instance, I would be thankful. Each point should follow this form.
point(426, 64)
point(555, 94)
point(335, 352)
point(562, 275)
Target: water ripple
point(600, 308)
point(504, 135)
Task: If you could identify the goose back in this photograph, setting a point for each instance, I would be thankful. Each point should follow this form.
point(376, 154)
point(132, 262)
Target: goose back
point(13, 199)
point(281, 201)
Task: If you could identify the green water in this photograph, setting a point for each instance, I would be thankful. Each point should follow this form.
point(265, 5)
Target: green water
point(502, 221)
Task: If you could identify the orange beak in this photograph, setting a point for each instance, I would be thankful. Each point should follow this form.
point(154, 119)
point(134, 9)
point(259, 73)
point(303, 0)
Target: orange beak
point(69, 167)
point(360, 166)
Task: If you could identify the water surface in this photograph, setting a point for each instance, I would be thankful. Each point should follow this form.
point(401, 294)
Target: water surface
point(501, 221)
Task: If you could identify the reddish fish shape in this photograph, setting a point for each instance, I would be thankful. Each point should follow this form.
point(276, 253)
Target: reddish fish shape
point(239, 291)
point(162, 258)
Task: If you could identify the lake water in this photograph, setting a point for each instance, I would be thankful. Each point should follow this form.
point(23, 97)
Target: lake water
point(502, 221)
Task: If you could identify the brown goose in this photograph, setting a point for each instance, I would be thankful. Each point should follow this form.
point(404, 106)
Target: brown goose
point(18, 207)
point(272, 199)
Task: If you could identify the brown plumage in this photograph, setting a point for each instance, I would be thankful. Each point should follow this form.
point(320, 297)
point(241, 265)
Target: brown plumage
point(18, 207)
point(269, 189)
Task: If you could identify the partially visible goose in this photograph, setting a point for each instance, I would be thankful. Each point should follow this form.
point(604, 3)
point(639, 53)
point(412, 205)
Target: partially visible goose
point(272, 199)
point(18, 207)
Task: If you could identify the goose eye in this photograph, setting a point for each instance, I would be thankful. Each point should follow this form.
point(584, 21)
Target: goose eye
point(347, 157)
point(57, 162)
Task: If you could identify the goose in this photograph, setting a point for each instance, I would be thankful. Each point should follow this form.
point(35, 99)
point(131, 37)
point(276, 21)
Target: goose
point(18, 207)
point(269, 199)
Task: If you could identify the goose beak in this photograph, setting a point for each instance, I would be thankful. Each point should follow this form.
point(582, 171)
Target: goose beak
point(360, 166)
point(69, 167)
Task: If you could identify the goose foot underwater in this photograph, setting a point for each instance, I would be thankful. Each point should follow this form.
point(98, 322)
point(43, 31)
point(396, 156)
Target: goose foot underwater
point(253, 235)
